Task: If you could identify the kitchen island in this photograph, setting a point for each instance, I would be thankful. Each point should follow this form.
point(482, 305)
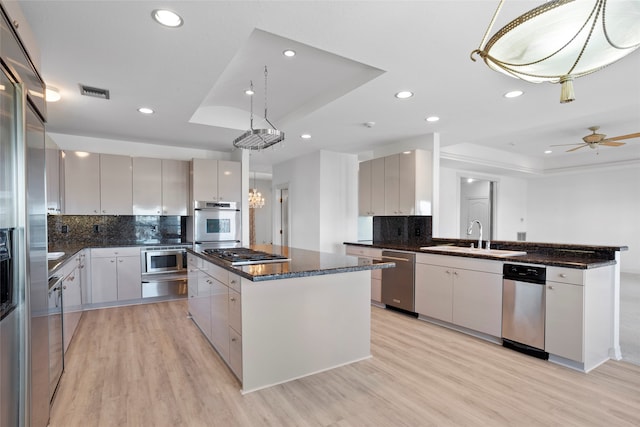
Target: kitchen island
point(275, 322)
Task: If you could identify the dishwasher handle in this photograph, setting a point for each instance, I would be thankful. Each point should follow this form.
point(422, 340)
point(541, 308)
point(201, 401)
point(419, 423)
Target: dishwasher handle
point(393, 258)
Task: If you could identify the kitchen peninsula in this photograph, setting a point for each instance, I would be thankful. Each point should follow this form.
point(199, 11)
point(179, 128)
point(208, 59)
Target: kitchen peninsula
point(275, 322)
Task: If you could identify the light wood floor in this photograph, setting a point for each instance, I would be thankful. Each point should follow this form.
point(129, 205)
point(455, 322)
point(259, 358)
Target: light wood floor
point(148, 365)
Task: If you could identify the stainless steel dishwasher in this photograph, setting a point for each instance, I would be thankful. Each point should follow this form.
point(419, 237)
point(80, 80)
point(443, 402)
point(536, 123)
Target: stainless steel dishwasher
point(523, 309)
point(398, 282)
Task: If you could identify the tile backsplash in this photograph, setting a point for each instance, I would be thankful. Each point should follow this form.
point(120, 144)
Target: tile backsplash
point(91, 230)
point(406, 230)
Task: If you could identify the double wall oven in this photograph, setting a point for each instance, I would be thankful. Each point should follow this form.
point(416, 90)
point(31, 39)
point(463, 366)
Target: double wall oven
point(214, 225)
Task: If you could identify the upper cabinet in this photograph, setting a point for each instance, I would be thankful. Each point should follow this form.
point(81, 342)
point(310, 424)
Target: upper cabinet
point(216, 180)
point(175, 187)
point(147, 186)
point(81, 183)
point(399, 184)
point(116, 182)
point(160, 187)
point(371, 187)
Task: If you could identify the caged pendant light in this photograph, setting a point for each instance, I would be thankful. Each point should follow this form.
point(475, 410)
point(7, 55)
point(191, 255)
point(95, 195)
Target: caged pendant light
point(257, 139)
point(562, 40)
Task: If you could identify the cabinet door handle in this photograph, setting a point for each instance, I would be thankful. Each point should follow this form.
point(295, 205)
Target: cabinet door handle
point(233, 299)
point(455, 273)
point(234, 339)
point(64, 287)
point(113, 260)
point(563, 275)
point(233, 282)
point(550, 287)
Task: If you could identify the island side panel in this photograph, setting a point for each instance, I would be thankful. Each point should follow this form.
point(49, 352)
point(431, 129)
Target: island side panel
point(295, 327)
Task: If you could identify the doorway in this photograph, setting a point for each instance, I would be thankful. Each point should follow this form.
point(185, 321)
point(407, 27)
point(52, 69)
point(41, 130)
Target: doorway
point(477, 202)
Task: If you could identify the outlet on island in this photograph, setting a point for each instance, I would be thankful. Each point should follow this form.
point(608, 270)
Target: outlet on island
point(64, 229)
point(96, 228)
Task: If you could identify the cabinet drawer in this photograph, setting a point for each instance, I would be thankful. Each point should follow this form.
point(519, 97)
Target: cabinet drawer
point(565, 275)
point(235, 310)
point(219, 273)
point(111, 252)
point(234, 282)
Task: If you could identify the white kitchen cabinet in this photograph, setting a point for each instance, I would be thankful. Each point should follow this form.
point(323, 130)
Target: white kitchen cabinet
point(463, 291)
point(220, 318)
point(116, 185)
point(81, 183)
point(579, 316)
point(235, 310)
point(52, 159)
point(147, 186)
point(434, 291)
point(399, 184)
point(216, 180)
point(367, 256)
point(160, 186)
point(371, 187)
point(115, 274)
point(71, 298)
point(200, 303)
point(477, 301)
point(175, 187)
point(235, 352)
point(564, 320)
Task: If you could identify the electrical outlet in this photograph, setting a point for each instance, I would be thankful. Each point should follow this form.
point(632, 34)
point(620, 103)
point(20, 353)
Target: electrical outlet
point(64, 229)
point(96, 228)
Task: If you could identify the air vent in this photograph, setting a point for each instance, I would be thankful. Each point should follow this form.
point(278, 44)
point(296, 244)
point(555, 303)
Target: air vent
point(94, 91)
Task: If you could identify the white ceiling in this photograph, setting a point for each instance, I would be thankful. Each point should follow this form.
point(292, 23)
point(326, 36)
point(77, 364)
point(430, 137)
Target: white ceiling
point(352, 58)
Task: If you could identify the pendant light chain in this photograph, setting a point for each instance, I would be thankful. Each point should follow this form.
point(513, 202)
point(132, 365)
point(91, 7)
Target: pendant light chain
point(251, 116)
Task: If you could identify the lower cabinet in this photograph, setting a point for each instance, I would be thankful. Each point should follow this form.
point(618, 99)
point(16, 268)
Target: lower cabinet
point(215, 305)
point(367, 256)
point(563, 320)
point(466, 292)
point(115, 274)
point(71, 299)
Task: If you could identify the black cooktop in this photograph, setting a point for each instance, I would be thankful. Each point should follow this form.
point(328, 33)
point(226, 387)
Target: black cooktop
point(244, 256)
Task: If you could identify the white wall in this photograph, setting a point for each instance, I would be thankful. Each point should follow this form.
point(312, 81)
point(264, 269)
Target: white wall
point(322, 199)
point(599, 207)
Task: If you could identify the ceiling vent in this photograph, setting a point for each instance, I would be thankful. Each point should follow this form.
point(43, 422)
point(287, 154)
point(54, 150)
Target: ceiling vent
point(94, 91)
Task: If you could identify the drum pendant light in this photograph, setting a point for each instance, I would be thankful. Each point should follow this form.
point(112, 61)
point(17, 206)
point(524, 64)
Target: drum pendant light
point(562, 40)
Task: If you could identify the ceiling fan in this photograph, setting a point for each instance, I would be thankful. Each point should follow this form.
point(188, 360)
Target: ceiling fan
point(597, 139)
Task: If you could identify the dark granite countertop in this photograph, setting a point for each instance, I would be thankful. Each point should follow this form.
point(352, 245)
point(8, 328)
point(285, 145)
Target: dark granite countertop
point(303, 263)
point(550, 254)
point(71, 249)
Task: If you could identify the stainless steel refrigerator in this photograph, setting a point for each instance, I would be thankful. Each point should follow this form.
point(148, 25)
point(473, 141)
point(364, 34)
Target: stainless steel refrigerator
point(24, 323)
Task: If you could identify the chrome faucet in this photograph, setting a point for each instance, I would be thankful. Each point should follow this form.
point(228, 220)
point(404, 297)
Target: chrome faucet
point(470, 230)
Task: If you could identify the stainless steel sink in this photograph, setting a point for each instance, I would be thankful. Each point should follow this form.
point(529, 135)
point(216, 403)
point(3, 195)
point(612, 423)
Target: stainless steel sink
point(465, 250)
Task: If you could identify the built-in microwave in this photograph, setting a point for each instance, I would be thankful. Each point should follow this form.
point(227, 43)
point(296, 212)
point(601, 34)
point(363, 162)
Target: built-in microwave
point(163, 260)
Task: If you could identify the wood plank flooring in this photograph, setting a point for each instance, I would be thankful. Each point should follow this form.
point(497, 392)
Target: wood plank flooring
point(148, 365)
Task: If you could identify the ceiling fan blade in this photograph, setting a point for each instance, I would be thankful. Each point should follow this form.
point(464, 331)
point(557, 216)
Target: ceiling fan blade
point(564, 145)
point(612, 143)
point(577, 148)
point(617, 138)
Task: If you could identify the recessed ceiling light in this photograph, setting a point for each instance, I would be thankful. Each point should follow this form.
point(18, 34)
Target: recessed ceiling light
point(167, 18)
point(406, 152)
point(52, 94)
point(548, 152)
point(404, 94)
point(289, 53)
point(432, 118)
point(513, 94)
point(145, 110)
point(305, 136)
